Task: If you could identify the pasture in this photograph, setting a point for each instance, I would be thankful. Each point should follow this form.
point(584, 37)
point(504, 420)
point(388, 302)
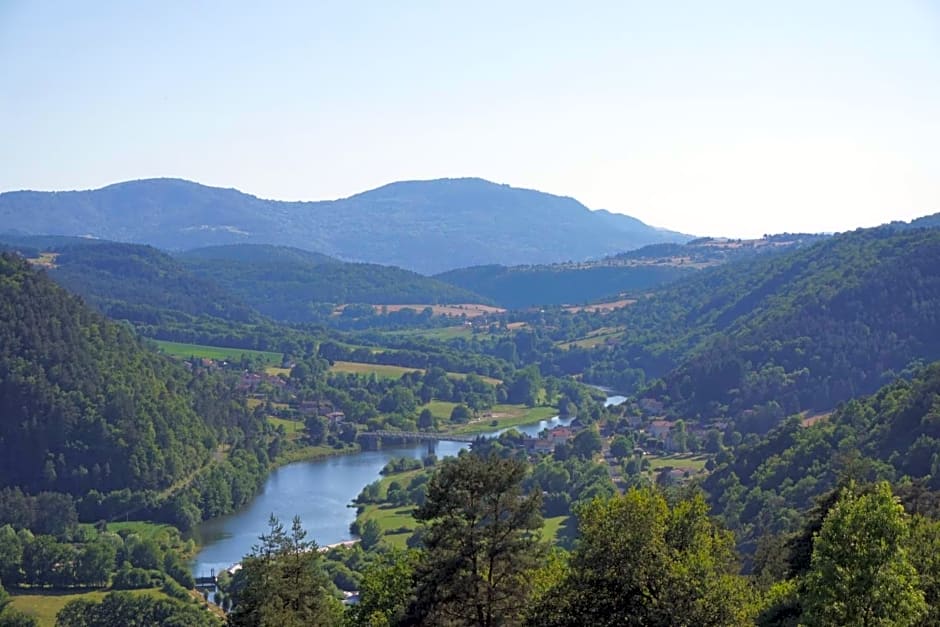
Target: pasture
point(184, 351)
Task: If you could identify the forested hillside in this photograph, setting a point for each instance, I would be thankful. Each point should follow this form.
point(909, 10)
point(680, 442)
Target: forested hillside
point(801, 331)
point(85, 406)
point(528, 286)
point(765, 485)
point(130, 281)
point(287, 284)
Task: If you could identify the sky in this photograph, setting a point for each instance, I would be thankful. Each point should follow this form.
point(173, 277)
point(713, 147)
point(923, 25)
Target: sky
point(718, 118)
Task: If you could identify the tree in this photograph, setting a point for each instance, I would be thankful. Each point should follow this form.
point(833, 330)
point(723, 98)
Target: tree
point(94, 563)
point(426, 420)
point(11, 555)
point(282, 584)
point(129, 610)
point(45, 561)
point(460, 414)
point(860, 572)
point(587, 443)
point(385, 591)
point(316, 429)
point(641, 562)
point(370, 534)
point(621, 447)
point(481, 543)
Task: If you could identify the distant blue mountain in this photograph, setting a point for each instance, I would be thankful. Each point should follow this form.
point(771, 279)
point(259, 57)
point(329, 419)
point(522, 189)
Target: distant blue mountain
point(426, 226)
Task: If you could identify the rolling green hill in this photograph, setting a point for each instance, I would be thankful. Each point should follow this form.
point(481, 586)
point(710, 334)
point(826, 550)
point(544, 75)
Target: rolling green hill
point(293, 285)
point(130, 281)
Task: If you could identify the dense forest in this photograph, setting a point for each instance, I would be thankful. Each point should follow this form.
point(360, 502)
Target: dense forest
point(286, 286)
point(90, 412)
point(130, 281)
point(765, 484)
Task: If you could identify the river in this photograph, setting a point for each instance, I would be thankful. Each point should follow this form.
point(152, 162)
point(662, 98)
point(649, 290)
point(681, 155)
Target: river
point(319, 491)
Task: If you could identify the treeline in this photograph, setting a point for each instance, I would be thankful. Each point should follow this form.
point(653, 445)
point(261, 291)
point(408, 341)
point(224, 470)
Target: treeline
point(88, 557)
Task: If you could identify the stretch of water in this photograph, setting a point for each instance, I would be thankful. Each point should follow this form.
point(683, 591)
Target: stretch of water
point(319, 491)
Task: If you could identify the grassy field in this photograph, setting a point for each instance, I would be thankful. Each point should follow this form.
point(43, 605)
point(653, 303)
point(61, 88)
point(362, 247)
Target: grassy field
point(290, 426)
point(181, 350)
point(596, 338)
point(679, 460)
point(307, 453)
point(440, 409)
point(390, 517)
point(504, 416)
point(442, 333)
point(551, 527)
point(380, 370)
point(275, 371)
point(384, 371)
point(45, 606)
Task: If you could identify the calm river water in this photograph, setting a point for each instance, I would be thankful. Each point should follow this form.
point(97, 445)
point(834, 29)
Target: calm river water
point(318, 491)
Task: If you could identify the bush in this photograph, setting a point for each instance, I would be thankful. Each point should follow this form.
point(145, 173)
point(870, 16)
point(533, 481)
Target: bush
point(128, 578)
point(174, 590)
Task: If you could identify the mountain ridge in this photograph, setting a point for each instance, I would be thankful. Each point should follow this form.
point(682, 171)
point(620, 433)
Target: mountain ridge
point(426, 226)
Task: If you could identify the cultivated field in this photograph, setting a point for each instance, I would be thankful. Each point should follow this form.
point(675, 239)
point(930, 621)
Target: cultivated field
point(601, 307)
point(184, 351)
point(596, 338)
point(469, 310)
point(392, 372)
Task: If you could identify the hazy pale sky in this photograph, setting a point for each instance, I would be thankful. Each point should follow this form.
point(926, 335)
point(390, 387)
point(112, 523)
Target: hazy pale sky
point(734, 118)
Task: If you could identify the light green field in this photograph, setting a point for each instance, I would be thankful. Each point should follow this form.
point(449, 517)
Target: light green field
point(440, 409)
point(380, 370)
point(307, 453)
point(505, 416)
point(441, 333)
point(290, 426)
point(681, 460)
point(463, 375)
point(384, 371)
point(46, 605)
point(551, 527)
point(181, 350)
point(275, 371)
point(595, 338)
point(390, 517)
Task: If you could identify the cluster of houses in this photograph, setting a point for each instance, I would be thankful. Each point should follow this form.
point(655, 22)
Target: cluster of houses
point(549, 439)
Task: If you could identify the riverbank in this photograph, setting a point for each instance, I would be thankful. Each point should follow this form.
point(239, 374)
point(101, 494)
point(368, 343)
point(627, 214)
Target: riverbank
point(312, 452)
point(320, 490)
